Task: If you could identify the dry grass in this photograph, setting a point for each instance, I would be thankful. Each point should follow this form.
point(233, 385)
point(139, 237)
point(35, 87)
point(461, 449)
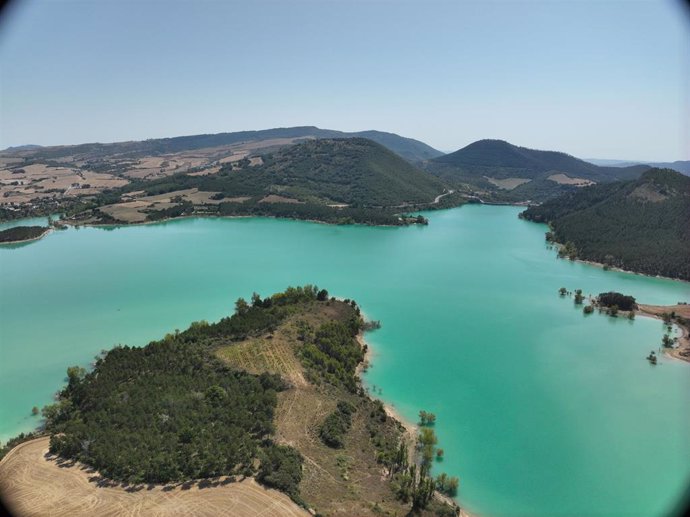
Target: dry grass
point(563, 179)
point(135, 210)
point(274, 198)
point(507, 183)
point(346, 481)
point(34, 180)
point(33, 483)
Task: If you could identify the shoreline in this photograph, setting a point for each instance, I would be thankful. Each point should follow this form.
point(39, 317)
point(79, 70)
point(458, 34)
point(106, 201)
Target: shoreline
point(629, 271)
point(611, 268)
point(411, 429)
point(212, 216)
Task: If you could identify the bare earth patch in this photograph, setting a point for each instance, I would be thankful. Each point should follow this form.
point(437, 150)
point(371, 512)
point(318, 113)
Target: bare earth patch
point(274, 198)
point(33, 483)
point(507, 183)
point(647, 192)
point(345, 481)
point(563, 179)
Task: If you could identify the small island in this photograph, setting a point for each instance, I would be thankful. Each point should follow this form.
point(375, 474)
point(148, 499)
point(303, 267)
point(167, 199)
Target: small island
point(19, 234)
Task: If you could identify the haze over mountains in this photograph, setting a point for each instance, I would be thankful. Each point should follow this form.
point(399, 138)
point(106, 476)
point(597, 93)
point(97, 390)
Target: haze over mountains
point(408, 148)
point(682, 166)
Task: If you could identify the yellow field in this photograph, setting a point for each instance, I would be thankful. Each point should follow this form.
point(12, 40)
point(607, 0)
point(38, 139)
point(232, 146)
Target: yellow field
point(33, 483)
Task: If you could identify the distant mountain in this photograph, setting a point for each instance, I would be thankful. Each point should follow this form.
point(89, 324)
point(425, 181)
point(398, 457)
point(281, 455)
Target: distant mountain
point(682, 166)
point(641, 225)
point(519, 173)
point(410, 149)
point(26, 147)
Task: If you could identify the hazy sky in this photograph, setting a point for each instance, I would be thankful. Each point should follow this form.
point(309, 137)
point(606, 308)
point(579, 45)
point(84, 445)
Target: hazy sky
point(606, 79)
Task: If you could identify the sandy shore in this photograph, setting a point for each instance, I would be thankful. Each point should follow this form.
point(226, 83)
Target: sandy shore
point(682, 351)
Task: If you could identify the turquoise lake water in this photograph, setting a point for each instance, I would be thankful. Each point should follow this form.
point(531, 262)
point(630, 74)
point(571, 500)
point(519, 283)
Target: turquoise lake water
point(541, 410)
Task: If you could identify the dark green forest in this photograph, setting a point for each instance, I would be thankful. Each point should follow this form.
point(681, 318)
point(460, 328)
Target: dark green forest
point(22, 233)
point(641, 225)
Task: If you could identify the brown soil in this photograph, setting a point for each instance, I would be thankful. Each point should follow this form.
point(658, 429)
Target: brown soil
point(682, 351)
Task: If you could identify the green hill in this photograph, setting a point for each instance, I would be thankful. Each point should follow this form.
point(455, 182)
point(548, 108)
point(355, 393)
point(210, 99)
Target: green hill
point(410, 149)
point(332, 180)
point(641, 225)
point(518, 173)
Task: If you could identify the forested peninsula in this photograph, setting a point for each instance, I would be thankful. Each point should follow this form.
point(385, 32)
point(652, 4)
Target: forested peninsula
point(252, 395)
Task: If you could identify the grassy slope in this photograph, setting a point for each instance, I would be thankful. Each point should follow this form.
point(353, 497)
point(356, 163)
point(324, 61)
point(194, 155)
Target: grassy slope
point(641, 225)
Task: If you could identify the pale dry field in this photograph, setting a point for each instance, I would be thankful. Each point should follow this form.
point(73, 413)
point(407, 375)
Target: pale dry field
point(134, 210)
point(32, 483)
point(34, 180)
point(507, 183)
point(563, 179)
point(274, 198)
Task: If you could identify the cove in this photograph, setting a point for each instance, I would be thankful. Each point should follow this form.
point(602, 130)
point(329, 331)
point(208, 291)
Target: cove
point(540, 410)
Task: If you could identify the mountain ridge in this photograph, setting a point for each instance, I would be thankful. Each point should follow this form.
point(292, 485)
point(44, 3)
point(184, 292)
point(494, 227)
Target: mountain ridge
point(512, 173)
point(409, 148)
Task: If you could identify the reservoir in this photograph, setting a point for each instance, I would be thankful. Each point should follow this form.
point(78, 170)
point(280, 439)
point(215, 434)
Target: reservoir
point(540, 409)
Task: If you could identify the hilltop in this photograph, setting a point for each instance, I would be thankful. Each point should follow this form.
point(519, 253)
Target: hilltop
point(515, 173)
point(641, 225)
point(331, 180)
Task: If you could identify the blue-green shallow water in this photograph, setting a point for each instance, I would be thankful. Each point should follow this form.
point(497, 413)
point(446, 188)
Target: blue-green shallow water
point(540, 410)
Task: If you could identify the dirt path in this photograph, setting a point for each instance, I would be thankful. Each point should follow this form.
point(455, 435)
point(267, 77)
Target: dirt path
point(35, 484)
point(441, 196)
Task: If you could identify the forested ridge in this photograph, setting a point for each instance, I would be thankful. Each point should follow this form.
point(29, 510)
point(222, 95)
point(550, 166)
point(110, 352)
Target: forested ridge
point(354, 171)
point(641, 225)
